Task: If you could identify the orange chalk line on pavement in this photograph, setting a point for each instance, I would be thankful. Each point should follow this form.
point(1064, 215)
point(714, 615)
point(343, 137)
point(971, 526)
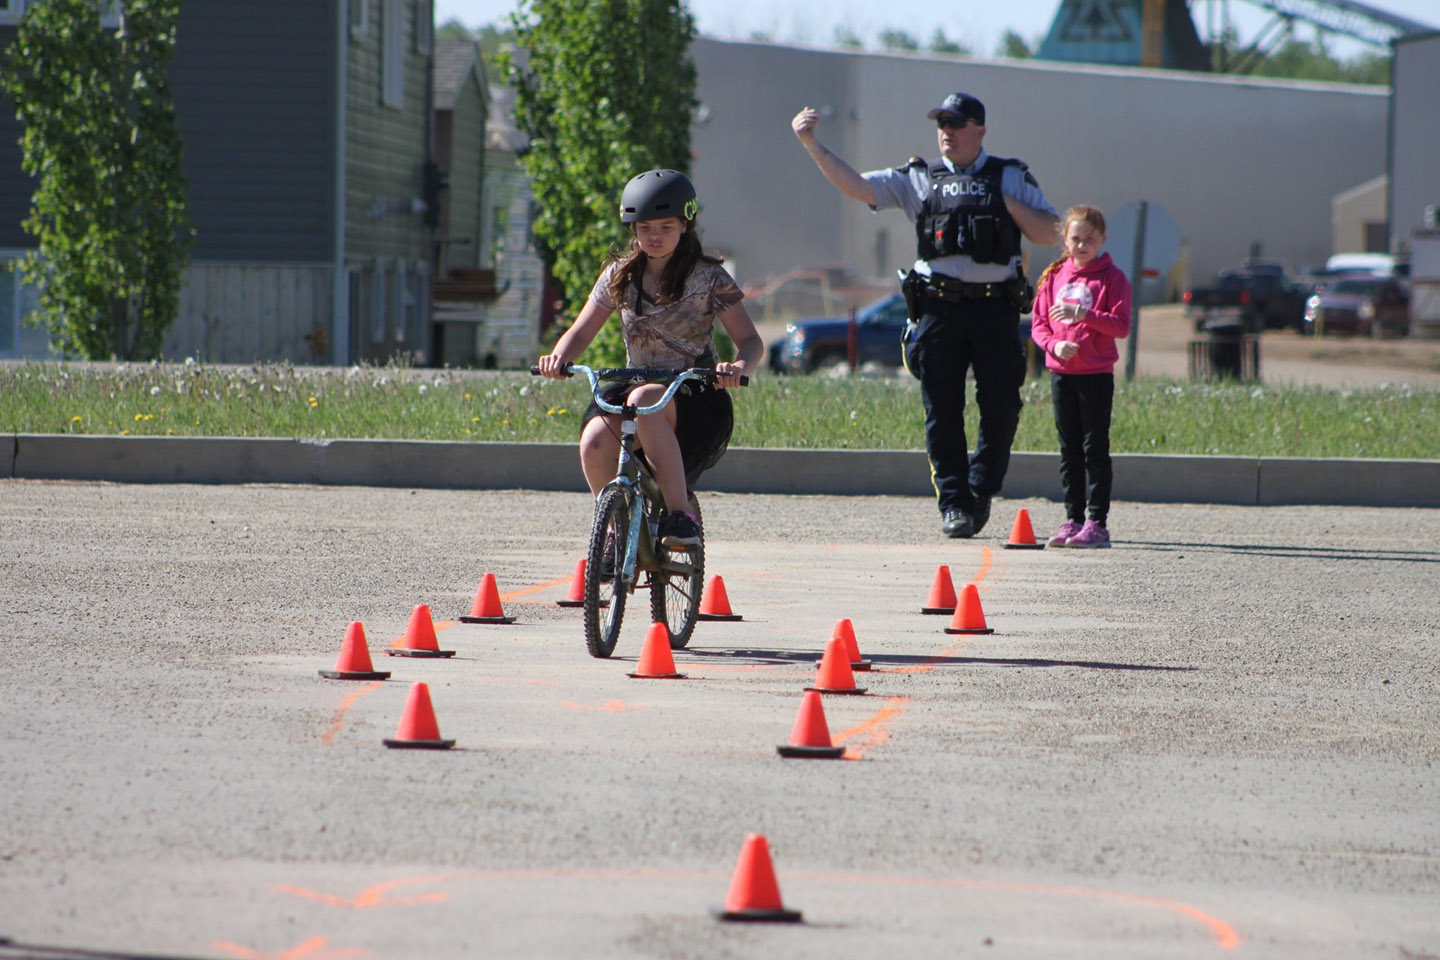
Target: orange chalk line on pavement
point(338, 721)
point(316, 948)
point(1225, 934)
point(876, 729)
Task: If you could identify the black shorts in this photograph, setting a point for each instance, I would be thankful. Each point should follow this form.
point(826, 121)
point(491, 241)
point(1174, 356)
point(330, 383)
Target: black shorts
point(704, 419)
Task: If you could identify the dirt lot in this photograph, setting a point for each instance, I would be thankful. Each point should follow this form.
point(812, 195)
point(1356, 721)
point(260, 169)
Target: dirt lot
point(1220, 736)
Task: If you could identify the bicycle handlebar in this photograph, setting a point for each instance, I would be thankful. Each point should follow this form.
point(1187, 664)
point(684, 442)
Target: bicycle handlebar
point(675, 378)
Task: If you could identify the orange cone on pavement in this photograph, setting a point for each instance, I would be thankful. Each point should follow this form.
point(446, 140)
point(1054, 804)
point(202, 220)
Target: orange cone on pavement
point(418, 729)
point(420, 639)
point(754, 892)
point(810, 737)
point(845, 630)
point(969, 617)
point(942, 593)
point(1022, 535)
point(354, 660)
point(714, 602)
point(486, 608)
point(576, 596)
point(656, 660)
point(835, 675)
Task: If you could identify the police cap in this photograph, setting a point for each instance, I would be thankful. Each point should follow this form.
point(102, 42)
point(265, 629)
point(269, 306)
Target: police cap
point(961, 105)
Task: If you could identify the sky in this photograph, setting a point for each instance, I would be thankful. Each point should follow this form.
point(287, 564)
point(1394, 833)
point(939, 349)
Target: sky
point(978, 25)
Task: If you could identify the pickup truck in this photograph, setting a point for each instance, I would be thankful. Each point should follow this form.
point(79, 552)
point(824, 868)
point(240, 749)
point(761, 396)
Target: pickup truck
point(1257, 294)
point(815, 342)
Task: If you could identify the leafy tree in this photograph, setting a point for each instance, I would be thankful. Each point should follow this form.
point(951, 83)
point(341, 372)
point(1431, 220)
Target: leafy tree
point(891, 39)
point(453, 29)
point(605, 90)
point(109, 208)
point(939, 43)
point(847, 38)
point(1014, 46)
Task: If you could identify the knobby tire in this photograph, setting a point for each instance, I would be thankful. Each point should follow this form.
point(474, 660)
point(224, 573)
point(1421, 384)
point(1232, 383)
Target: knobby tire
point(675, 599)
point(605, 599)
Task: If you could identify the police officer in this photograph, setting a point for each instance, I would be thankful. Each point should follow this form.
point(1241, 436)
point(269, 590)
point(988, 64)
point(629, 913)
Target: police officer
point(965, 292)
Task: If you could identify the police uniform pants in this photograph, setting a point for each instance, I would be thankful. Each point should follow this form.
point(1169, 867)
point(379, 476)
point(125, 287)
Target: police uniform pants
point(982, 335)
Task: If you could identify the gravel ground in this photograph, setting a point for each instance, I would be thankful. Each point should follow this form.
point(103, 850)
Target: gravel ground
point(1219, 735)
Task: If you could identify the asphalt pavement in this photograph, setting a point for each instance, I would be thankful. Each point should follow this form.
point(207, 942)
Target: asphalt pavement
point(1218, 737)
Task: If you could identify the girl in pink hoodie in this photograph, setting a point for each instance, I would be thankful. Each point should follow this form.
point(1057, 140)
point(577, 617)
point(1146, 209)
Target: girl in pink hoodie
point(1082, 306)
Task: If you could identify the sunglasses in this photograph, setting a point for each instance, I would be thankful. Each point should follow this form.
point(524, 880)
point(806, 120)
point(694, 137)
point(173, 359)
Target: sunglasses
point(952, 123)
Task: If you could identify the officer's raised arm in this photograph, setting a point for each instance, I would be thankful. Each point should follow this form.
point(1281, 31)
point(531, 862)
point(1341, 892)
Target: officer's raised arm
point(1037, 225)
point(837, 171)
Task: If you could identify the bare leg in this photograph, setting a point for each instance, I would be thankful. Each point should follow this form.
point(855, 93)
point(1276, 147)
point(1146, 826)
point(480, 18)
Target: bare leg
point(600, 451)
point(656, 434)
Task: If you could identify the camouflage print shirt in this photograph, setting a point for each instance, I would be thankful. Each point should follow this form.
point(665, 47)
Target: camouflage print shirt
point(671, 335)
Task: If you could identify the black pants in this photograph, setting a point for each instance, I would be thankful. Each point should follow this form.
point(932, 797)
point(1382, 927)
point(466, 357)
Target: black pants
point(1082, 403)
point(951, 338)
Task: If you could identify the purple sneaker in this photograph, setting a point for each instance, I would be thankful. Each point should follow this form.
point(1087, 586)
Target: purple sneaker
point(1062, 536)
point(1091, 535)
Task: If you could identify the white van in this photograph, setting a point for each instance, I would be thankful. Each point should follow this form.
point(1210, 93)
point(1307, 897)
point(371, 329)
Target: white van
point(1379, 264)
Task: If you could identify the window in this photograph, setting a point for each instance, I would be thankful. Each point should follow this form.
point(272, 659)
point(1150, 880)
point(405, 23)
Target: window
point(392, 66)
point(359, 18)
point(424, 27)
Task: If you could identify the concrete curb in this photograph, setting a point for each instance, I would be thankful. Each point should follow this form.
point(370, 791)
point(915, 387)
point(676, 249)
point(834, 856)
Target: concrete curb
point(1246, 481)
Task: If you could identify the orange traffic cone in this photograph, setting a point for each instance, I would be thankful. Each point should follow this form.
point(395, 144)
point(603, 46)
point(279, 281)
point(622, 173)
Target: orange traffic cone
point(1022, 536)
point(486, 608)
point(420, 639)
point(656, 660)
point(942, 593)
point(845, 630)
point(835, 675)
point(576, 596)
point(354, 660)
point(810, 737)
point(418, 729)
point(714, 603)
point(969, 618)
point(754, 893)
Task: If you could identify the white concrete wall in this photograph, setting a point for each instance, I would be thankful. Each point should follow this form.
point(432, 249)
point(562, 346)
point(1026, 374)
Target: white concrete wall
point(1233, 161)
point(1415, 158)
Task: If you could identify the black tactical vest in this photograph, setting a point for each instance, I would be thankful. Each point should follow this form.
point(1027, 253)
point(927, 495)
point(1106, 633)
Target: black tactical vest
point(965, 214)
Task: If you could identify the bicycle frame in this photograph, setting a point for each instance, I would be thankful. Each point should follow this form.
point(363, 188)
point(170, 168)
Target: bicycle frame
point(631, 474)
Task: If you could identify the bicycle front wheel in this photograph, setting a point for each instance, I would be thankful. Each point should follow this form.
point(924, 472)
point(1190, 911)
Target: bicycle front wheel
point(675, 593)
point(604, 588)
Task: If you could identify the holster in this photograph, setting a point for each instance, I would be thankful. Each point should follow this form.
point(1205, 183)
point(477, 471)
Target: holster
point(912, 288)
point(1022, 292)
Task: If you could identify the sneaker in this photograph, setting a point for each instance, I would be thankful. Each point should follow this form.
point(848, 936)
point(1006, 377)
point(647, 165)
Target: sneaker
point(1090, 535)
point(981, 514)
point(679, 530)
point(957, 523)
point(1062, 536)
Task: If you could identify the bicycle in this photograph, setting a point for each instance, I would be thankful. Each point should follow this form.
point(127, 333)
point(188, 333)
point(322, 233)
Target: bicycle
point(624, 532)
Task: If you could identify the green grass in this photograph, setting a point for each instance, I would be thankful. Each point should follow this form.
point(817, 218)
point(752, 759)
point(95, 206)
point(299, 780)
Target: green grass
point(1151, 416)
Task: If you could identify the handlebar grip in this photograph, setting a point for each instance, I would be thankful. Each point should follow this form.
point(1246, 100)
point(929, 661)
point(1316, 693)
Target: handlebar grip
point(744, 381)
point(535, 370)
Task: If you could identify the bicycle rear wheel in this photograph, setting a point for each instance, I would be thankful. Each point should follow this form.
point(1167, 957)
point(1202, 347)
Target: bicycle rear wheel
point(675, 597)
point(604, 590)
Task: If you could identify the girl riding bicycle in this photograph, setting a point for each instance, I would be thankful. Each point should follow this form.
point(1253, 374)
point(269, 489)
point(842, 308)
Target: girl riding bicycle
point(669, 294)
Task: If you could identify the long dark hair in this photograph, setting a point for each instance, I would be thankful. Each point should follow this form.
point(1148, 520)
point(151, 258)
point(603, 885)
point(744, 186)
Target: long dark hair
point(672, 279)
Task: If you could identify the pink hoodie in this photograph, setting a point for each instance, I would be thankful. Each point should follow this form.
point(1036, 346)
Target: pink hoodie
point(1102, 289)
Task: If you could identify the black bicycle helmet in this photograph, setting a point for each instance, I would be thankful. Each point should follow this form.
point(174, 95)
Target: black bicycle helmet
point(656, 194)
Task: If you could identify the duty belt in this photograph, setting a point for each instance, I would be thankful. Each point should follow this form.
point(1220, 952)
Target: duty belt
point(944, 288)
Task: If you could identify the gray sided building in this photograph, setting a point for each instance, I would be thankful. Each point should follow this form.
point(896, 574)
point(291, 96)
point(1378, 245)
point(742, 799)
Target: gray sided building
point(306, 131)
point(1237, 163)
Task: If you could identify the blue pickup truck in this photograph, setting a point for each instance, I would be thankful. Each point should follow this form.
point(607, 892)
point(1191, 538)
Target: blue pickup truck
point(814, 342)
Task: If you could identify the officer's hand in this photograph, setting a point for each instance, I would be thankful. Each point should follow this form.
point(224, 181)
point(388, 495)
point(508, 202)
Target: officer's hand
point(804, 125)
